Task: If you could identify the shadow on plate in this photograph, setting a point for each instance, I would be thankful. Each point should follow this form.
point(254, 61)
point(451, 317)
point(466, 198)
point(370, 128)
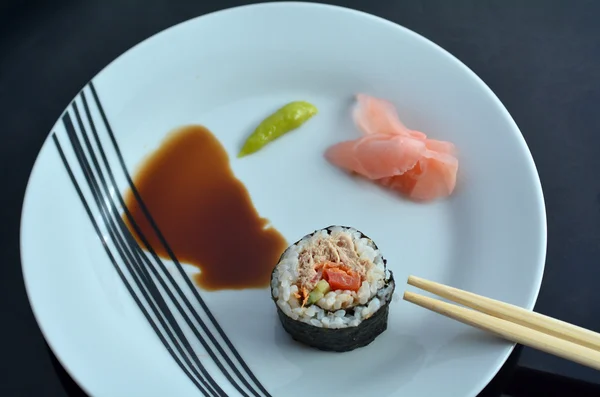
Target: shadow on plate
point(511, 381)
point(466, 344)
point(397, 345)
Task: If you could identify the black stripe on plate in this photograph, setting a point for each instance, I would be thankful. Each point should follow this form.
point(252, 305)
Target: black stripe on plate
point(135, 247)
point(118, 269)
point(173, 258)
point(169, 276)
point(138, 263)
point(127, 245)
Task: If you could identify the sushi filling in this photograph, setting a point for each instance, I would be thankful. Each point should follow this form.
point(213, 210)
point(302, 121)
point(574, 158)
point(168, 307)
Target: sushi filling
point(334, 278)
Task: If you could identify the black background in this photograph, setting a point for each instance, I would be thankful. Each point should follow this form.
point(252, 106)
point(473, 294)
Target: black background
point(541, 57)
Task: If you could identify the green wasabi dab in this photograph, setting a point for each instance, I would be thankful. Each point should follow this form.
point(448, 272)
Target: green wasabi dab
point(286, 119)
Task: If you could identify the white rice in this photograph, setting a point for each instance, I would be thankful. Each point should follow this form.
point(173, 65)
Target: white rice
point(337, 309)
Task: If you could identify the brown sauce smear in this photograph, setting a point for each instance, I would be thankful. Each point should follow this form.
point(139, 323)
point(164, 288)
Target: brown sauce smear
point(204, 212)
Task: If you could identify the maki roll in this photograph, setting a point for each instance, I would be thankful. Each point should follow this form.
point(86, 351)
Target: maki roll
point(332, 290)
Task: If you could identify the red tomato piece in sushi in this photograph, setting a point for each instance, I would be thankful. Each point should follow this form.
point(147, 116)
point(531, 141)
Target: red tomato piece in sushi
point(340, 279)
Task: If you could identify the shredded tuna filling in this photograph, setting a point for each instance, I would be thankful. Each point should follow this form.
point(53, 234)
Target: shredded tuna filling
point(333, 258)
point(316, 278)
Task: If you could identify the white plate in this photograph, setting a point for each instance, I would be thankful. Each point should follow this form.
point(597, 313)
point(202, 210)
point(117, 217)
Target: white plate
point(227, 70)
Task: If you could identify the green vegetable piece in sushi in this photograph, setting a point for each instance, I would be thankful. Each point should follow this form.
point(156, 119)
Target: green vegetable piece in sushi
point(286, 119)
point(314, 297)
point(318, 292)
point(323, 286)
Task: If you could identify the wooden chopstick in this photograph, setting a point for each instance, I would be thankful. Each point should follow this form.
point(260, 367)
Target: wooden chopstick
point(515, 314)
point(511, 322)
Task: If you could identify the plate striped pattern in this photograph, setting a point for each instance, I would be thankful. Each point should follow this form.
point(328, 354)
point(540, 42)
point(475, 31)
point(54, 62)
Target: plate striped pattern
point(175, 310)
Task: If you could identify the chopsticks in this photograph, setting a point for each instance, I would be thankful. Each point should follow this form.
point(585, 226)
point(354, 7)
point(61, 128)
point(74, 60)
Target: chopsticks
point(511, 322)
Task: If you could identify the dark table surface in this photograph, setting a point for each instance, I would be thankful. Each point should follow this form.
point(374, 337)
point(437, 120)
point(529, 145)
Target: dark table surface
point(541, 57)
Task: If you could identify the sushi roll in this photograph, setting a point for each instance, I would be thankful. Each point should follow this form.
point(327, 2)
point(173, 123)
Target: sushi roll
point(332, 290)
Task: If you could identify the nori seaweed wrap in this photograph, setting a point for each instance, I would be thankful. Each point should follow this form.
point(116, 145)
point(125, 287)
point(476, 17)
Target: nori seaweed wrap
point(332, 290)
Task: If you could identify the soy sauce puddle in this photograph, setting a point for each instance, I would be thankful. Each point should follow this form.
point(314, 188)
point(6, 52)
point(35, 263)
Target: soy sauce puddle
point(204, 212)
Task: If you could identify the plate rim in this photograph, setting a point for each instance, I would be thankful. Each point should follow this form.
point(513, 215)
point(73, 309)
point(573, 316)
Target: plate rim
point(535, 289)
